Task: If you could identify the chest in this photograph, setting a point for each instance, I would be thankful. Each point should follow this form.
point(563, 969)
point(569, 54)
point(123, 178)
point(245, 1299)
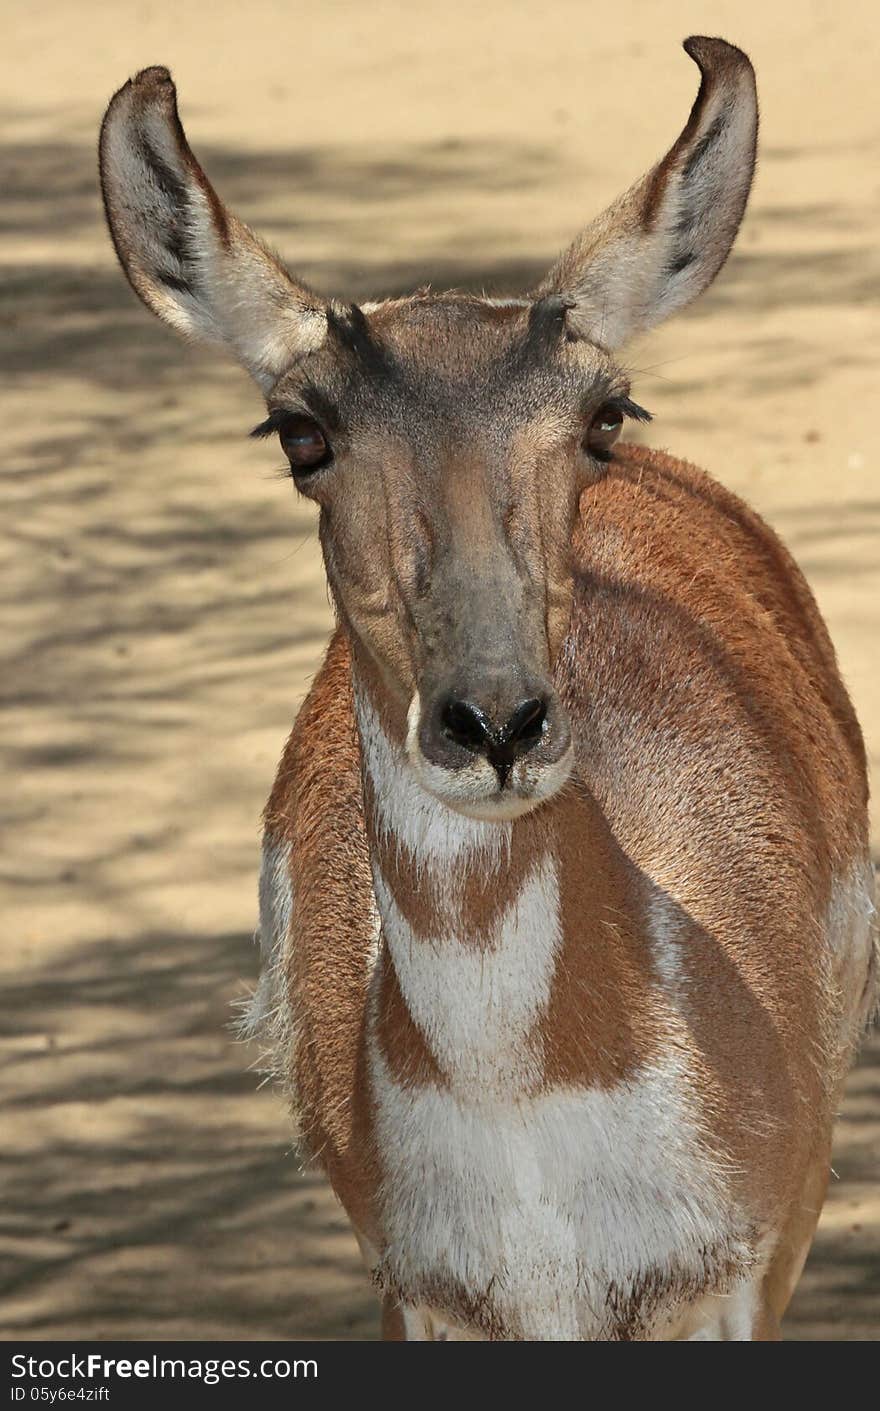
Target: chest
point(570, 1214)
point(527, 1209)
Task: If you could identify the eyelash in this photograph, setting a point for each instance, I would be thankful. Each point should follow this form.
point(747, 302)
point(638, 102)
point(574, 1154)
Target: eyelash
point(273, 423)
point(629, 410)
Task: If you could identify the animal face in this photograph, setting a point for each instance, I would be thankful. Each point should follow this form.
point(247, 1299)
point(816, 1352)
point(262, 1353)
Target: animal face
point(446, 439)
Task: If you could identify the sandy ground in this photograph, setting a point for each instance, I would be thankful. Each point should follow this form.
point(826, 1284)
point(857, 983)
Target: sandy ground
point(163, 604)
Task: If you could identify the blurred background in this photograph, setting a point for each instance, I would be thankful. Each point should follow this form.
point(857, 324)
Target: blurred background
point(163, 601)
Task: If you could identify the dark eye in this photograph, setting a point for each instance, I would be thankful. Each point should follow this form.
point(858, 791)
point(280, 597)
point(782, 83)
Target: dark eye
point(604, 430)
point(304, 444)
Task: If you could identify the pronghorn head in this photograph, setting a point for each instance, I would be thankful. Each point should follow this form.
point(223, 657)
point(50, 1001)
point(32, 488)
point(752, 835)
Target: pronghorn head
point(446, 438)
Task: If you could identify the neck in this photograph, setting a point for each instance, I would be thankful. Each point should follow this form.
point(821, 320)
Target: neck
point(484, 928)
point(403, 819)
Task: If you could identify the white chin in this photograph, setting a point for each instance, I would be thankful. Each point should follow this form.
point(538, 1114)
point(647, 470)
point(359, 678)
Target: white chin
point(474, 793)
point(498, 808)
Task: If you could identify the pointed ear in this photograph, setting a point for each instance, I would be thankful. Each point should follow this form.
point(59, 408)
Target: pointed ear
point(664, 241)
point(190, 260)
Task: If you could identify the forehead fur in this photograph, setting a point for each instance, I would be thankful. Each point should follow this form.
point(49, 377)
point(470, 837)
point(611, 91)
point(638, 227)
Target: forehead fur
point(453, 354)
point(415, 321)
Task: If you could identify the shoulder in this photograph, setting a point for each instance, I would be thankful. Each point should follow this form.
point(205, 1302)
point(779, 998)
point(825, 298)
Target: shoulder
point(320, 763)
point(650, 503)
point(682, 587)
point(664, 533)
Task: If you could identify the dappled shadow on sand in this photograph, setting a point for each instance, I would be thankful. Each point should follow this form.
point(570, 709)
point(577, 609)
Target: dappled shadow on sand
point(170, 1206)
point(839, 1295)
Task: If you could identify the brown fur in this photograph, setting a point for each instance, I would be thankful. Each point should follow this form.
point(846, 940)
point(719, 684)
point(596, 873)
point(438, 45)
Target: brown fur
point(694, 631)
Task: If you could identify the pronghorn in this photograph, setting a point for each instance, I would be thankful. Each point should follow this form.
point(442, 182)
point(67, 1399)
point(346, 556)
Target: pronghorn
point(565, 906)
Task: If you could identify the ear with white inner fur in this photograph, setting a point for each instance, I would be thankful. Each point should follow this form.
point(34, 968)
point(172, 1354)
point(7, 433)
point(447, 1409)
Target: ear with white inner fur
point(190, 260)
point(660, 245)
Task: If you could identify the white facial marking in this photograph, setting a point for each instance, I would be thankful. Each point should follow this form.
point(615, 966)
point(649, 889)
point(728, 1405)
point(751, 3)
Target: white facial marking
point(432, 832)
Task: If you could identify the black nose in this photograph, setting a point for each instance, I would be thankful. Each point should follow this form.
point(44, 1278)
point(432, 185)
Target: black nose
point(471, 728)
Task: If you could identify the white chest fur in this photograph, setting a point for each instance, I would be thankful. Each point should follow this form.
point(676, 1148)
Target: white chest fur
point(556, 1209)
point(477, 1005)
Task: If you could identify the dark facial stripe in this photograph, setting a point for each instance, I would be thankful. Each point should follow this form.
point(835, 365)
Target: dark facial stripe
point(353, 334)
